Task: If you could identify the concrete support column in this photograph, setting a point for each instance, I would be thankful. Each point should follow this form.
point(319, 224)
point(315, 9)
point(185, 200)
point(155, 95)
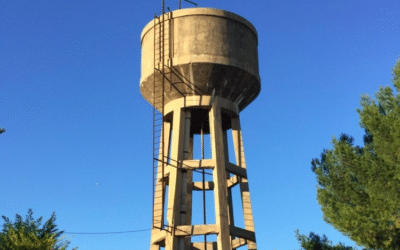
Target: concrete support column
point(244, 184)
point(175, 178)
point(186, 185)
point(219, 177)
point(229, 197)
point(158, 211)
point(180, 181)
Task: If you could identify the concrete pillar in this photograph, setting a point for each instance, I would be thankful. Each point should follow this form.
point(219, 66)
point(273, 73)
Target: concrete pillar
point(158, 211)
point(175, 178)
point(186, 188)
point(244, 185)
point(218, 151)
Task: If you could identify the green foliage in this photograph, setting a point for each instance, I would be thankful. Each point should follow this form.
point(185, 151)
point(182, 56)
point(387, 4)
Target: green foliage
point(315, 242)
point(359, 188)
point(23, 235)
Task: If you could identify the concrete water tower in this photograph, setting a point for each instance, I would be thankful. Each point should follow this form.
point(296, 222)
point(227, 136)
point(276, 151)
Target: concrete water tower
point(199, 70)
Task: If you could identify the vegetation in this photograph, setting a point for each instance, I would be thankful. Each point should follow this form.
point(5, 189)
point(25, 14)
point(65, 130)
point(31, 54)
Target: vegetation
point(23, 235)
point(315, 242)
point(359, 188)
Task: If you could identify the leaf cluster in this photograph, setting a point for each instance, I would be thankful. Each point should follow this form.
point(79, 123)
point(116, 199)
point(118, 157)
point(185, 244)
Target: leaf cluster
point(315, 242)
point(23, 235)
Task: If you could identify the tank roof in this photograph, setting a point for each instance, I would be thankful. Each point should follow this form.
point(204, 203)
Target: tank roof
point(206, 12)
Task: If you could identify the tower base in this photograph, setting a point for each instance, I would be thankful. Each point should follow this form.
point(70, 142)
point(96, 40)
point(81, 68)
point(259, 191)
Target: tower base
point(172, 217)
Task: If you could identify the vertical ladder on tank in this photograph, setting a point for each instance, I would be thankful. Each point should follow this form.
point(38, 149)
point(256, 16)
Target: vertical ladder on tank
point(164, 73)
point(158, 123)
point(162, 49)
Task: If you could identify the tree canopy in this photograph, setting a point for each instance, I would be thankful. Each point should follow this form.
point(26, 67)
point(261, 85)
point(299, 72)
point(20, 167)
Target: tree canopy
point(359, 187)
point(315, 242)
point(23, 235)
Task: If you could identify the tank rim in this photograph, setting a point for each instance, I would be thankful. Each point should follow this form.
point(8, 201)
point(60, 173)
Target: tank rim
point(204, 11)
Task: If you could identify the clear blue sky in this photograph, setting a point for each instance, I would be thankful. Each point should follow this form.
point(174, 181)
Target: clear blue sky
point(70, 101)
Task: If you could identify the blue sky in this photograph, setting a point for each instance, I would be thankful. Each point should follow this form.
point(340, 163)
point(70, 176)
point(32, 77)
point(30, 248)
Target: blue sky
point(74, 115)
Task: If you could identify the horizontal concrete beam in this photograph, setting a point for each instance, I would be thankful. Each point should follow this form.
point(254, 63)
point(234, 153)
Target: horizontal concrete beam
point(158, 237)
point(238, 242)
point(196, 230)
point(200, 246)
point(206, 163)
point(209, 185)
point(243, 233)
point(200, 101)
point(235, 169)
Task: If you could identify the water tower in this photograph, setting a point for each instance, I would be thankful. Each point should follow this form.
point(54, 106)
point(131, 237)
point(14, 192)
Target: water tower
point(199, 70)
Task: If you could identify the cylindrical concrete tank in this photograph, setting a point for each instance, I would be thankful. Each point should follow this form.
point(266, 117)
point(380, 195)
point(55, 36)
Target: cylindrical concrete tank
point(214, 50)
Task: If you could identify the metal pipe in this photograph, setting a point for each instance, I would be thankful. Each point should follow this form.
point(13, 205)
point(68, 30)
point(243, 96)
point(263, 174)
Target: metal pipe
point(191, 2)
point(204, 186)
point(186, 155)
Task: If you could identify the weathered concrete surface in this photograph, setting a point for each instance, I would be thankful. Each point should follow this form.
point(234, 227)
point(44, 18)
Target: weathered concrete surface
point(179, 178)
point(211, 58)
point(214, 50)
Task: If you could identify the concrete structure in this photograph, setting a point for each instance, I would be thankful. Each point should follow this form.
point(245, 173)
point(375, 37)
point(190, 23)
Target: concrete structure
point(199, 70)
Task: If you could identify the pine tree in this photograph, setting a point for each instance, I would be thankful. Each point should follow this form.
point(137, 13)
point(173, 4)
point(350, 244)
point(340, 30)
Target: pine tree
point(23, 235)
point(359, 188)
point(315, 242)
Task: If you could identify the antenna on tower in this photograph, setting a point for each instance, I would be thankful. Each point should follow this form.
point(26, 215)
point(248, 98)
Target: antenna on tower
point(180, 3)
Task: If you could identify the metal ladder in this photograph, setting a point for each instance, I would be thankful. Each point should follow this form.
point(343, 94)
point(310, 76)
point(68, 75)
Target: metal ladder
point(163, 74)
point(158, 118)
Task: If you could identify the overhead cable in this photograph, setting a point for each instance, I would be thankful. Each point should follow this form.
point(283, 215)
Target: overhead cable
point(134, 231)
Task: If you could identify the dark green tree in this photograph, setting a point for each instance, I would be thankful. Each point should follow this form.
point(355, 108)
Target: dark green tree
point(23, 235)
point(315, 242)
point(359, 188)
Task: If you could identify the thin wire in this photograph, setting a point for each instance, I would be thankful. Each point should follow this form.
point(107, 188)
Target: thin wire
point(134, 231)
point(188, 167)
